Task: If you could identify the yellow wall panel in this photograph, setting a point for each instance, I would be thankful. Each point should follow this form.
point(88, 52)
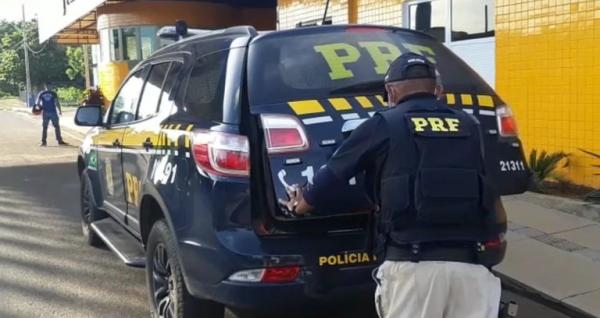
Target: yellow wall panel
point(548, 71)
point(111, 76)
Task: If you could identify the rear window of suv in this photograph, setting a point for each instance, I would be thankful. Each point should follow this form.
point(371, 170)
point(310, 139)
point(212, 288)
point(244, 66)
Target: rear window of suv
point(317, 63)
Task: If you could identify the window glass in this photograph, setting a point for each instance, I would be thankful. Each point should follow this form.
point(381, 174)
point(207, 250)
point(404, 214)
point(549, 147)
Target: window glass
point(299, 65)
point(130, 44)
point(148, 40)
point(115, 45)
point(125, 103)
point(204, 93)
point(105, 46)
point(429, 17)
point(152, 91)
point(472, 19)
point(166, 99)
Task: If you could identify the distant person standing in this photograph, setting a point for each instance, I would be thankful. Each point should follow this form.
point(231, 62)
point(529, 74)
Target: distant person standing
point(47, 101)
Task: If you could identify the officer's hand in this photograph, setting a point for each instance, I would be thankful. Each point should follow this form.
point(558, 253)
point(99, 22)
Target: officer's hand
point(296, 204)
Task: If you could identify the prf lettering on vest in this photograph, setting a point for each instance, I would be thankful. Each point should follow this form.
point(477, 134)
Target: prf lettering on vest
point(340, 56)
point(436, 124)
point(346, 259)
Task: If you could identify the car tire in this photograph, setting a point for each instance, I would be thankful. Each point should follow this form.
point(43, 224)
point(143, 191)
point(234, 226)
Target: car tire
point(169, 297)
point(89, 212)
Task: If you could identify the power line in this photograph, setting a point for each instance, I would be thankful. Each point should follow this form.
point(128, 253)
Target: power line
point(37, 52)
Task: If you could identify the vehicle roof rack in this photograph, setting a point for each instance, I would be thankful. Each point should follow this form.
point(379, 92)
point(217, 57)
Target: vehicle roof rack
point(181, 31)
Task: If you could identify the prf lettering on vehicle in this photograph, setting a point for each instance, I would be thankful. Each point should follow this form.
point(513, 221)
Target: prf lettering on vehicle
point(340, 55)
point(133, 189)
point(346, 259)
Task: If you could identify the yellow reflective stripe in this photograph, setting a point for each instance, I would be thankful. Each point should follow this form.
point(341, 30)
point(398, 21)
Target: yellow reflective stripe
point(340, 104)
point(304, 107)
point(380, 99)
point(466, 99)
point(485, 101)
point(364, 102)
point(187, 136)
point(177, 127)
point(450, 100)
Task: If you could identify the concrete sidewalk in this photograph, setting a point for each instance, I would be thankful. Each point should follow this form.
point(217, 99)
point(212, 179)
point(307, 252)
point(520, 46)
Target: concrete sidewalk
point(553, 252)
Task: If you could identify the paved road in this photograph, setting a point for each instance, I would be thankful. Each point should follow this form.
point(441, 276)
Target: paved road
point(46, 269)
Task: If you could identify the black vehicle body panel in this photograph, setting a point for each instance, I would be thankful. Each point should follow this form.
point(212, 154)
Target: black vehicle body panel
point(224, 225)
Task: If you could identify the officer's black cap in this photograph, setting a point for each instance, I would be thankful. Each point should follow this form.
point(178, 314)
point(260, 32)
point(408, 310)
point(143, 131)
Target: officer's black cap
point(410, 66)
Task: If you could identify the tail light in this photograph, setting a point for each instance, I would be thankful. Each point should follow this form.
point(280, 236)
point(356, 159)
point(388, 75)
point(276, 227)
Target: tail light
point(283, 133)
point(220, 153)
point(507, 124)
point(270, 275)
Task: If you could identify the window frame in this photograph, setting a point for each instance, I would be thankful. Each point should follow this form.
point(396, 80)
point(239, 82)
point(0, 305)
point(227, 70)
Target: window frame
point(145, 71)
point(448, 20)
point(162, 88)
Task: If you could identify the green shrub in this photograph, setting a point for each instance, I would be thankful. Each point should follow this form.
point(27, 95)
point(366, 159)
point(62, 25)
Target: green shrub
point(70, 95)
point(543, 165)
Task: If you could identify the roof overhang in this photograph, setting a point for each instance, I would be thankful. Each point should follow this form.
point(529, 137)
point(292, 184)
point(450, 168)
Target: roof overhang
point(70, 21)
point(74, 22)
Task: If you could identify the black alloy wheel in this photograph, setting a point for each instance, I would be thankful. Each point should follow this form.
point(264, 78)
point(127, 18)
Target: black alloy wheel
point(89, 212)
point(163, 285)
point(168, 293)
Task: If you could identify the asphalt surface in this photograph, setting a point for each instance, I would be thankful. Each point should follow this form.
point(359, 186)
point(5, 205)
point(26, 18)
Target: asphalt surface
point(46, 268)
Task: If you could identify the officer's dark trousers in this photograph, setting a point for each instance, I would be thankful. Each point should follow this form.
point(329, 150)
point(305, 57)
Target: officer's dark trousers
point(54, 119)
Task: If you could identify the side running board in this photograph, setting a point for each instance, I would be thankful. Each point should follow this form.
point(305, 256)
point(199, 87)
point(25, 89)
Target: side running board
point(127, 248)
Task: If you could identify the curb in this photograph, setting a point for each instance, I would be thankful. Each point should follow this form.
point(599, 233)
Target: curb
point(582, 209)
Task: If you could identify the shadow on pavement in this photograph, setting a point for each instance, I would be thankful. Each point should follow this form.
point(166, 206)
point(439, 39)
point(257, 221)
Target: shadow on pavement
point(47, 268)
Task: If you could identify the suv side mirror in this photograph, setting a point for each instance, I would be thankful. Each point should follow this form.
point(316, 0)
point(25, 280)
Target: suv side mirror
point(89, 116)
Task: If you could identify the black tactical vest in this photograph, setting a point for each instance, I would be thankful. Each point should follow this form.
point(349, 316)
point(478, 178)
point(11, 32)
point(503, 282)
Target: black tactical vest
point(433, 185)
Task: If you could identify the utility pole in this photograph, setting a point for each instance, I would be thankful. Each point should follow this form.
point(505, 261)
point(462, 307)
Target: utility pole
point(26, 51)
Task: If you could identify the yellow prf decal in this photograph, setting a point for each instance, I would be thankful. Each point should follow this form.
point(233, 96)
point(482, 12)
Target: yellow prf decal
point(346, 259)
point(341, 56)
point(132, 188)
point(436, 124)
point(110, 186)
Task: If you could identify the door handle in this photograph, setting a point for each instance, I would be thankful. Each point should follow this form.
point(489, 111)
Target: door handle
point(147, 144)
point(116, 143)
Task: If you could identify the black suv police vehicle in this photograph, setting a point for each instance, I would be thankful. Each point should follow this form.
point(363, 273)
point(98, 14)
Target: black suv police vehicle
point(183, 173)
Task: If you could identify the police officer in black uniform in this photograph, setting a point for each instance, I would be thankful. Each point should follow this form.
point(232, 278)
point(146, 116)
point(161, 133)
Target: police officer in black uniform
point(439, 224)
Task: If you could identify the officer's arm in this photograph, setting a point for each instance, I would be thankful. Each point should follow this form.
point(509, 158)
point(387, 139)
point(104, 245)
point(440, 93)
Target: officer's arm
point(356, 154)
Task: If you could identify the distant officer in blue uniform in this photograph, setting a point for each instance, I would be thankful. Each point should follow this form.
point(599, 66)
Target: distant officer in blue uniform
point(439, 223)
point(47, 101)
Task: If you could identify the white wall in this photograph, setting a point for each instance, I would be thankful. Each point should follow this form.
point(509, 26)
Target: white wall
point(480, 54)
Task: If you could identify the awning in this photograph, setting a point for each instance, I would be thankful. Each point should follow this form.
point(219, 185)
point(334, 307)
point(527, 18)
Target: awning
point(75, 21)
point(70, 21)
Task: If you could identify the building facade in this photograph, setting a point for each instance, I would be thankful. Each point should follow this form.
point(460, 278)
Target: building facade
point(123, 32)
point(539, 55)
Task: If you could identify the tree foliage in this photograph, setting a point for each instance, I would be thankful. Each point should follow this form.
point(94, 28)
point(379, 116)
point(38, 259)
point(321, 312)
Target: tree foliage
point(48, 61)
point(76, 62)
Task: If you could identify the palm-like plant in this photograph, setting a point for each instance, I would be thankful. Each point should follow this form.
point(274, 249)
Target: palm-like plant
point(594, 195)
point(544, 164)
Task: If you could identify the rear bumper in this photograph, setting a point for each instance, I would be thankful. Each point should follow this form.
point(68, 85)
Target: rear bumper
point(311, 292)
point(207, 269)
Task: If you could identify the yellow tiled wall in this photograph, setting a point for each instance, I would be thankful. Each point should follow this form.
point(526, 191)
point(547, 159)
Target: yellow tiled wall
point(548, 70)
point(290, 12)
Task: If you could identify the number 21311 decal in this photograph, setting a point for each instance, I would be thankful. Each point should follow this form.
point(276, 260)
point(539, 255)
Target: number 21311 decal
point(512, 165)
